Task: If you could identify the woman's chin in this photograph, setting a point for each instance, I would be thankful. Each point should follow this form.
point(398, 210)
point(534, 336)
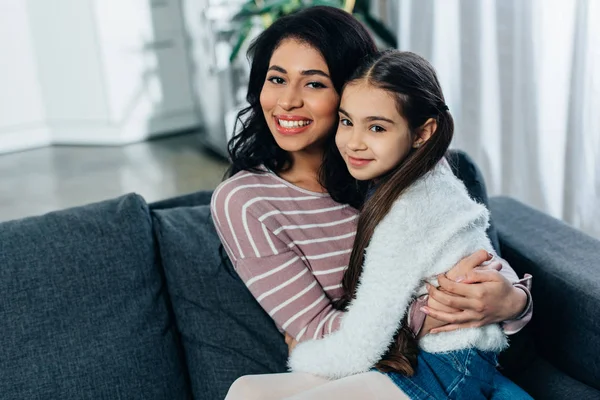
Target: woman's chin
point(298, 144)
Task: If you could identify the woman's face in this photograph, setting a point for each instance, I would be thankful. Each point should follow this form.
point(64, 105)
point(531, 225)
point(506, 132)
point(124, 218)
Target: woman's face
point(298, 98)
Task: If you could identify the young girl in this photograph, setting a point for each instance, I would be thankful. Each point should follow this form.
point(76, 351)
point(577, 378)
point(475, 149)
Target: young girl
point(418, 222)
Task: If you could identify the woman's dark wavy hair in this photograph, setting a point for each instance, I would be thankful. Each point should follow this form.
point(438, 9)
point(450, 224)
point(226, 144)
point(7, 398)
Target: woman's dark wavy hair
point(414, 84)
point(344, 43)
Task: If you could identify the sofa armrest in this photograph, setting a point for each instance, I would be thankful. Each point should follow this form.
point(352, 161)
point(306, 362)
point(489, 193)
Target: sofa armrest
point(566, 285)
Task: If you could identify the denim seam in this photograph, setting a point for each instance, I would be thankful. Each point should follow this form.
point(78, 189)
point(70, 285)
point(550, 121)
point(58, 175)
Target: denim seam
point(416, 390)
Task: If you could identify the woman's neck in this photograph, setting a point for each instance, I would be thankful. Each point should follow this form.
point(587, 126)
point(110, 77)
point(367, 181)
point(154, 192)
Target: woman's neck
point(304, 172)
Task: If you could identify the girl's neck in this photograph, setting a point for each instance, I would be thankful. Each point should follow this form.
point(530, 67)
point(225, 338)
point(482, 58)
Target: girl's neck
point(304, 171)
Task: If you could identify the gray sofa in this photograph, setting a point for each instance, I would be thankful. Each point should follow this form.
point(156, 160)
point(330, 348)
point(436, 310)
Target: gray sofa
point(125, 300)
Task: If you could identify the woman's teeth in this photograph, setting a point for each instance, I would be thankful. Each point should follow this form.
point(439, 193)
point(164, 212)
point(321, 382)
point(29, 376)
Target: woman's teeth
point(292, 124)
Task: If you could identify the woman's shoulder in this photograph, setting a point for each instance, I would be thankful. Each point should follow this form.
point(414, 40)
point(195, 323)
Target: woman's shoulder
point(244, 184)
point(264, 192)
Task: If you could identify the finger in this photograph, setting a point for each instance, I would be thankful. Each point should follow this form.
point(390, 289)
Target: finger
point(448, 299)
point(483, 275)
point(476, 259)
point(453, 327)
point(463, 317)
point(456, 288)
point(436, 305)
point(495, 265)
point(467, 264)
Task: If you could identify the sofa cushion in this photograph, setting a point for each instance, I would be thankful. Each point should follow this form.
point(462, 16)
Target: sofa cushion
point(543, 381)
point(187, 200)
point(83, 307)
point(566, 285)
point(225, 332)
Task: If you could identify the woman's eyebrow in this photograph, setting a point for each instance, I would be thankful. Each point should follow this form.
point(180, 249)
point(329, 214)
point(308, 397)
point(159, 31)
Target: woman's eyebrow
point(307, 72)
point(277, 68)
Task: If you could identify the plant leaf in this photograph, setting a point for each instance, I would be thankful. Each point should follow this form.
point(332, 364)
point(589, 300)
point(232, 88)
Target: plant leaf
point(380, 30)
point(362, 6)
point(331, 3)
point(250, 11)
point(242, 36)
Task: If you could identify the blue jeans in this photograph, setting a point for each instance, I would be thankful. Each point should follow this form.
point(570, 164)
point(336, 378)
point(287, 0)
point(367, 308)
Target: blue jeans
point(463, 374)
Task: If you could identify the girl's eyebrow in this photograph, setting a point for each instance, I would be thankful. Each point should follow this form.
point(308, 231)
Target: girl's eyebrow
point(340, 109)
point(378, 118)
point(369, 119)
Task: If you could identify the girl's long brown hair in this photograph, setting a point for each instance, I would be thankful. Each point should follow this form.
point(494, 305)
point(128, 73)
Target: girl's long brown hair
point(413, 82)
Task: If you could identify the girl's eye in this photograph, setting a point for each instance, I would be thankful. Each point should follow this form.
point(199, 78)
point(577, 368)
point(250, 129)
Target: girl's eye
point(376, 128)
point(345, 122)
point(276, 80)
point(316, 85)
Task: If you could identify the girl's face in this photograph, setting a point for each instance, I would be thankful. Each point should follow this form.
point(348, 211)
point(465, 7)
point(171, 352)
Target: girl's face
point(298, 98)
point(372, 136)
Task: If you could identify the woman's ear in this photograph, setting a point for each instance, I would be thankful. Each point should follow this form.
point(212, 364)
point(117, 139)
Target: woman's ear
point(425, 132)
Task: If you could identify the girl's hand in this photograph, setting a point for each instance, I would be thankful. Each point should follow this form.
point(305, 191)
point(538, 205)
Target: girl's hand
point(482, 297)
point(291, 342)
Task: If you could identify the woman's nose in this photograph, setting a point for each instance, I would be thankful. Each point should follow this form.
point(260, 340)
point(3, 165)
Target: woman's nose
point(290, 98)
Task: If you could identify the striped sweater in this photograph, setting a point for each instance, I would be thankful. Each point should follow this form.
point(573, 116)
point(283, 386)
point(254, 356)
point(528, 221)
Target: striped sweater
point(291, 247)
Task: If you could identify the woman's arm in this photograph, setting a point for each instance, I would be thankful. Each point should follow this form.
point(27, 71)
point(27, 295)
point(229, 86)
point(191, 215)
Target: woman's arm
point(481, 297)
point(288, 291)
point(279, 279)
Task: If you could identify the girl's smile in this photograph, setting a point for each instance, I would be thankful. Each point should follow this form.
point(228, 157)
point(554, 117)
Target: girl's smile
point(358, 162)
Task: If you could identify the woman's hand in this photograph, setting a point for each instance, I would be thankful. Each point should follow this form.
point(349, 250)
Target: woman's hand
point(476, 297)
point(291, 342)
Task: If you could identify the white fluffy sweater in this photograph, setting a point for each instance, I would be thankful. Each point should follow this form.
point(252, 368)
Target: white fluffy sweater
point(432, 226)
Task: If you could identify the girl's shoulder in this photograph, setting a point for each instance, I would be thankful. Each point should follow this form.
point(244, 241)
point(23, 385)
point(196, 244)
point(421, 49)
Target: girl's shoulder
point(438, 193)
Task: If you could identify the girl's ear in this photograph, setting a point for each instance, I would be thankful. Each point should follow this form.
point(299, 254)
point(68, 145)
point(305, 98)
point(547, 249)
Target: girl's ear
point(425, 132)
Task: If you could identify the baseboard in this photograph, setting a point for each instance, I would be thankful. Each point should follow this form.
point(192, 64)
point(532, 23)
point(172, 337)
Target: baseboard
point(96, 133)
point(135, 130)
point(83, 134)
point(142, 129)
point(24, 139)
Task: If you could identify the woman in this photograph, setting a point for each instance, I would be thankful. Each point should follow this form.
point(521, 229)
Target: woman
point(287, 228)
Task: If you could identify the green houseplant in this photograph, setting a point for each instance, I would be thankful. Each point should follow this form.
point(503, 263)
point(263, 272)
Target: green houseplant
point(269, 10)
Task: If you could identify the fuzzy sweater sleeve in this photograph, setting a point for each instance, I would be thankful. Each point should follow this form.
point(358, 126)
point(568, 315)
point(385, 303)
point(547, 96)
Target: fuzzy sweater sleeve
point(431, 226)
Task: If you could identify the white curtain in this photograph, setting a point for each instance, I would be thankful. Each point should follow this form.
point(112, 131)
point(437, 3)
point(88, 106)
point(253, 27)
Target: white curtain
point(522, 80)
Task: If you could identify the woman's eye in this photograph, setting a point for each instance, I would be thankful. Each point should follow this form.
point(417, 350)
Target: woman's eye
point(376, 128)
point(316, 85)
point(345, 122)
point(276, 80)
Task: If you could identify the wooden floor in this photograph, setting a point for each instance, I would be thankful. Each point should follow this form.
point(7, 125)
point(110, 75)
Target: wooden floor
point(42, 180)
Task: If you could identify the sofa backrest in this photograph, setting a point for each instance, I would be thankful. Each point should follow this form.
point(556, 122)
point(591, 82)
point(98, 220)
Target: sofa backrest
point(83, 308)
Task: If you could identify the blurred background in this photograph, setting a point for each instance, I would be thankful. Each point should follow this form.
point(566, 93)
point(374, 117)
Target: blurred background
point(103, 97)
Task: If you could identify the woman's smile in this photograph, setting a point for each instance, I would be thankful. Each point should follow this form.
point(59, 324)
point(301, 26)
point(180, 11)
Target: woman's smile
point(292, 124)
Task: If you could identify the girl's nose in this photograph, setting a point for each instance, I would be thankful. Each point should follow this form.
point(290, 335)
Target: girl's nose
point(356, 142)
